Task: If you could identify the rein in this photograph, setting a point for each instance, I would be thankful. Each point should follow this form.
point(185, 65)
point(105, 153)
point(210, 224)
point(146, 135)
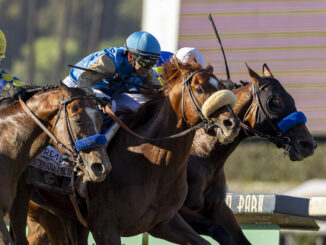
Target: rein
point(50, 134)
point(206, 122)
point(185, 85)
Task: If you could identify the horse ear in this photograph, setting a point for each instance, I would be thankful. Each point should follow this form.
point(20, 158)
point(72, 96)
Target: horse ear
point(255, 77)
point(267, 71)
point(65, 90)
point(210, 68)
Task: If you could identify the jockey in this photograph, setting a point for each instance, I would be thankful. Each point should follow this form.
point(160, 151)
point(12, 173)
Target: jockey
point(6, 80)
point(132, 63)
point(182, 55)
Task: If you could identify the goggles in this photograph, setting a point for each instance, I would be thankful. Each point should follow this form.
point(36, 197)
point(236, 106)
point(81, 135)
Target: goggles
point(146, 61)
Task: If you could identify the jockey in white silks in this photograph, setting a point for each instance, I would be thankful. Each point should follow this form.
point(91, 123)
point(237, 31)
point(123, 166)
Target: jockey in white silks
point(182, 56)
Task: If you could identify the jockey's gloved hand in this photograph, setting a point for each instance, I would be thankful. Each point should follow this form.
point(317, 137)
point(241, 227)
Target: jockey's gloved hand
point(15, 92)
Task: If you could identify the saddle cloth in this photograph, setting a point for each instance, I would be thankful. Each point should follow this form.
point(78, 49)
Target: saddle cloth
point(47, 171)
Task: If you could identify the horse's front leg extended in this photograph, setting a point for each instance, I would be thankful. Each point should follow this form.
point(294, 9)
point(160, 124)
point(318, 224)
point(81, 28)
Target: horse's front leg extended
point(4, 234)
point(223, 215)
point(177, 231)
point(106, 236)
point(18, 212)
point(205, 226)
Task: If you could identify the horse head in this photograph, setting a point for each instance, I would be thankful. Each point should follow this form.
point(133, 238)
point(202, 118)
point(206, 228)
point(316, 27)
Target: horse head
point(274, 113)
point(195, 98)
point(77, 126)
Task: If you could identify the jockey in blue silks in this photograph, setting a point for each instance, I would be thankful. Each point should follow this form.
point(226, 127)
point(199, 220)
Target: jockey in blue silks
point(133, 63)
point(6, 80)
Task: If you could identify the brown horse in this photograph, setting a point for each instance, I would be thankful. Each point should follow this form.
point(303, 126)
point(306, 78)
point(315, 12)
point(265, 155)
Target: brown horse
point(205, 205)
point(147, 184)
point(261, 105)
point(22, 139)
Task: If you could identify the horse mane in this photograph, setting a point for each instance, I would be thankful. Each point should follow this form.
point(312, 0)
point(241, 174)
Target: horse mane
point(173, 75)
point(10, 96)
point(230, 85)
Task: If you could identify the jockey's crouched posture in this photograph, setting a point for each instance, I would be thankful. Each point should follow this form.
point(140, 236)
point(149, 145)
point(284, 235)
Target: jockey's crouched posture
point(6, 80)
point(133, 63)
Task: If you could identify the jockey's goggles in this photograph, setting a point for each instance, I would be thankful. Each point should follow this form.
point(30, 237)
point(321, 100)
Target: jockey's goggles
point(146, 61)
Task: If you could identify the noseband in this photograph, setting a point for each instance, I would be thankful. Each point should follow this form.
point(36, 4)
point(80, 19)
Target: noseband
point(72, 152)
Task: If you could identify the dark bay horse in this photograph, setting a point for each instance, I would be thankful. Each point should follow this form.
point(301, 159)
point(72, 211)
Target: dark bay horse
point(260, 105)
point(147, 184)
point(22, 139)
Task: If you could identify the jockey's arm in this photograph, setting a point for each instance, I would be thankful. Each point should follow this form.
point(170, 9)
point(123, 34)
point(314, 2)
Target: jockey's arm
point(103, 65)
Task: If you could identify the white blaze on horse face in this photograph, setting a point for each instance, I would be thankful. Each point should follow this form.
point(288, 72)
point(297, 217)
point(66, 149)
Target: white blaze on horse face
point(92, 115)
point(214, 82)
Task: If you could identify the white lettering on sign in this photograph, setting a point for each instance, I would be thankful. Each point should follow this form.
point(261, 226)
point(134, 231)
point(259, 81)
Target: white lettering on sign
point(253, 204)
point(241, 203)
point(260, 203)
point(228, 201)
point(246, 203)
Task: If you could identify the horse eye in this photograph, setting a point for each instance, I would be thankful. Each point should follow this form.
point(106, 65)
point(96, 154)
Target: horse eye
point(275, 103)
point(199, 90)
point(75, 108)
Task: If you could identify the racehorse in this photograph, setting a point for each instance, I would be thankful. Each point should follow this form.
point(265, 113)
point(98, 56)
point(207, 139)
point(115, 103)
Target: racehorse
point(147, 184)
point(261, 105)
point(22, 138)
point(205, 205)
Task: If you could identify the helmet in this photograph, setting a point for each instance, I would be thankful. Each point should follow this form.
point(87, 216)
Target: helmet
point(185, 53)
point(3, 44)
point(144, 44)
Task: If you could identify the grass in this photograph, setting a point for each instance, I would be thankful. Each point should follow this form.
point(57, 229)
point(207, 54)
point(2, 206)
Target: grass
point(260, 167)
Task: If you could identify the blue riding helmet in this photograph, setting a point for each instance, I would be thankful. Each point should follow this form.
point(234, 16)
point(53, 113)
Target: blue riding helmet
point(144, 44)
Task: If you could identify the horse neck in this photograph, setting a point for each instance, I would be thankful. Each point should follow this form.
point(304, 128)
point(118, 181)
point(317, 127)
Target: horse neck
point(208, 148)
point(164, 122)
point(25, 139)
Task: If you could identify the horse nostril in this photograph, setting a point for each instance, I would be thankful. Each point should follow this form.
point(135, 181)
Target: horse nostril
point(227, 123)
point(98, 169)
point(308, 145)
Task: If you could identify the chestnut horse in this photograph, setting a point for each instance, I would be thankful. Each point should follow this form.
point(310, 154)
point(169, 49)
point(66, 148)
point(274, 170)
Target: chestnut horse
point(261, 105)
point(147, 184)
point(22, 139)
point(205, 205)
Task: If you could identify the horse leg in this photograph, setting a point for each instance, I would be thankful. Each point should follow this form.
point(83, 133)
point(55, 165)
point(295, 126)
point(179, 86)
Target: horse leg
point(18, 212)
point(205, 226)
point(45, 227)
point(105, 235)
point(77, 233)
point(36, 233)
point(177, 231)
point(223, 215)
point(4, 234)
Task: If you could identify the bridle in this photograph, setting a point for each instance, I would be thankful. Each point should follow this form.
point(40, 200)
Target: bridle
point(186, 85)
point(76, 160)
point(278, 137)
